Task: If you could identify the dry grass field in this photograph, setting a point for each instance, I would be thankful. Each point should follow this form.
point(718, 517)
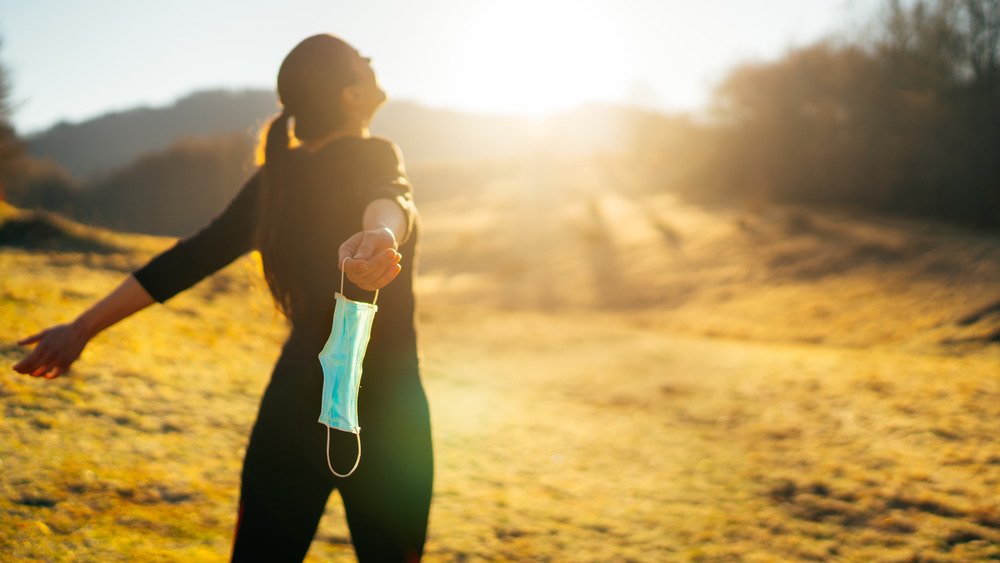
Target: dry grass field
point(613, 374)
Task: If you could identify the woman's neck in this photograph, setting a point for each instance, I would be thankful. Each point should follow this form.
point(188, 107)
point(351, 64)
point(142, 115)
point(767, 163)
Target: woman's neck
point(353, 129)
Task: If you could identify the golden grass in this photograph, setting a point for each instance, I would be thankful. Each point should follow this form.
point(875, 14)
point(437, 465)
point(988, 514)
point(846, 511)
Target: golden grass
point(613, 375)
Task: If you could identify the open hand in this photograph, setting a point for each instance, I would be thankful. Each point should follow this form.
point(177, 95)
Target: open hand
point(371, 258)
point(58, 347)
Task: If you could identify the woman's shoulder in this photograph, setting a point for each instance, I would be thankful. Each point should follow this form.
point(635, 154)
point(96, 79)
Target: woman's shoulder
point(382, 150)
point(380, 141)
point(379, 146)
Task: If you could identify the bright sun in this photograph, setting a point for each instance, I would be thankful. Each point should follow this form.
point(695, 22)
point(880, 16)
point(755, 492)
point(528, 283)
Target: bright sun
point(536, 57)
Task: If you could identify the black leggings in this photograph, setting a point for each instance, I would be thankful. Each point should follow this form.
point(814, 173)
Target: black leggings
point(286, 482)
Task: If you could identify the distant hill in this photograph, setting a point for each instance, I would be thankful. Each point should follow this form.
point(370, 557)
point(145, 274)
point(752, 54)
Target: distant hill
point(168, 170)
point(94, 148)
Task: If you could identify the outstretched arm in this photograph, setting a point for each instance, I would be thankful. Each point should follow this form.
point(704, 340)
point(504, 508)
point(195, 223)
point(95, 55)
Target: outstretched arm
point(226, 237)
point(59, 346)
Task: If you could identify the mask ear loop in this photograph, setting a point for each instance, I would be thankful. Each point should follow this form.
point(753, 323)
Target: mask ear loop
point(356, 461)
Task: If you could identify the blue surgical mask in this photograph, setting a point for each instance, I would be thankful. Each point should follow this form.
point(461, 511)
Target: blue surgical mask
point(341, 358)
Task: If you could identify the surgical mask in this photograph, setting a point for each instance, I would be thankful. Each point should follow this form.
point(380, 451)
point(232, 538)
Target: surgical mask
point(341, 358)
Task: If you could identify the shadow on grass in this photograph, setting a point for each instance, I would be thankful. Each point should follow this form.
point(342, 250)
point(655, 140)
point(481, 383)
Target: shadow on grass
point(42, 230)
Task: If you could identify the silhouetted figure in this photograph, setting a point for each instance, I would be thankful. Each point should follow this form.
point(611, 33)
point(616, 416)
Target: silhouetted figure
point(340, 194)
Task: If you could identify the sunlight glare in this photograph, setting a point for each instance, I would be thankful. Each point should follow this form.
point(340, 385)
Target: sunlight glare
point(538, 57)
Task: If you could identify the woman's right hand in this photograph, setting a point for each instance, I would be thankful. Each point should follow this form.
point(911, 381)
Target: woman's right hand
point(58, 347)
point(369, 258)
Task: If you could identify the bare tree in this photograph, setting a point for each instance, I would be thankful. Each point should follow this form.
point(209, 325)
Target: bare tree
point(982, 33)
point(11, 148)
point(907, 122)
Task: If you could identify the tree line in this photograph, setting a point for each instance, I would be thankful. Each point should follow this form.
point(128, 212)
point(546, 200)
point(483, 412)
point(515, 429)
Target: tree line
point(906, 121)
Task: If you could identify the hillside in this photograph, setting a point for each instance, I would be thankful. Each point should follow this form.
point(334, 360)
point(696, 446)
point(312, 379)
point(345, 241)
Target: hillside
point(96, 146)
point(613, 375)
point(423, 133)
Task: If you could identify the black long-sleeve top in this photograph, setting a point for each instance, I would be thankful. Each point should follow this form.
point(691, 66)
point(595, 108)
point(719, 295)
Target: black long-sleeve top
point(332, 187)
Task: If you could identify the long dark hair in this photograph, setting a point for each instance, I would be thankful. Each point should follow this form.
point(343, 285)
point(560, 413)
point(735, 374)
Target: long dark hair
point(310, 82)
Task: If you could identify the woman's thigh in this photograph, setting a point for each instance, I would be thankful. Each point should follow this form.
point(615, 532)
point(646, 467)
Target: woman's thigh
point(387, 501)
point(278, 515)
point(285, 484)
point(287, 435)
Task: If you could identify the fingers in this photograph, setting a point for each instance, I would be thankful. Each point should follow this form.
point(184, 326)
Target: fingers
point(30, 339)
point(379, 264)
point(370, 270)
point(349, 248)
point(41, 365)
point(354, 269)
point(364, 246)
point(49, 367)
point(374, 241)
point(30, 363)
point(55, 352)
point(366, 249)
point(41, 362)
point(378, 272)
point(387, 277)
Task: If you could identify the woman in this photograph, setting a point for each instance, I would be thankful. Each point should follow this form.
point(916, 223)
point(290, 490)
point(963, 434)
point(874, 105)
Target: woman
point(339, 188)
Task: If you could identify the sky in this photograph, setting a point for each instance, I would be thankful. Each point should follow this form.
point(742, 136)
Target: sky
point(71, 60)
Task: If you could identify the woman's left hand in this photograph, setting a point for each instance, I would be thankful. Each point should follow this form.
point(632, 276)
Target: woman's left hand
point(371, 258)
point(58, 347)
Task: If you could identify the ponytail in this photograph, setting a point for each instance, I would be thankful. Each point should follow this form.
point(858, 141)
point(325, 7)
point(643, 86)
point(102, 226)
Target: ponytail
point(273, 205)
point(276, 143)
